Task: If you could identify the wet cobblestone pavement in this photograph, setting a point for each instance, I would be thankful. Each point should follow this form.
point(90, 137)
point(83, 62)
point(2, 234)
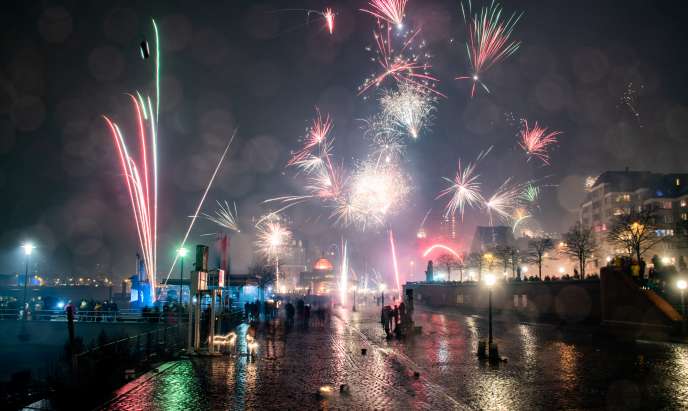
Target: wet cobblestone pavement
point(548, 368)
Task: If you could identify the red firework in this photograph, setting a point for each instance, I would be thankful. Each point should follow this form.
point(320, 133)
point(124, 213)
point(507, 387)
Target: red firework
point(536, 140)
point(398, 65)
point(391, 11)
point(488, 40)
point(328, 14)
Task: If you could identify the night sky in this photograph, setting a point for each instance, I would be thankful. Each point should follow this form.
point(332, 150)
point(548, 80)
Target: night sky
point(246, 64)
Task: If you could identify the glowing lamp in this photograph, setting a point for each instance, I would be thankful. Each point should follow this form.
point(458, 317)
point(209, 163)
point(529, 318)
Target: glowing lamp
point(490, 280)
point(681, 284)
point(28, 248)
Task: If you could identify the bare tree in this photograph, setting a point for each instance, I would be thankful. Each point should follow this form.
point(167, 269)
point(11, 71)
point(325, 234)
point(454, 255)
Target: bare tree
point(580, 244)
point(475, 260)
point(508, 256)
point(448, 261)
point(635, 232)
point(537, 248)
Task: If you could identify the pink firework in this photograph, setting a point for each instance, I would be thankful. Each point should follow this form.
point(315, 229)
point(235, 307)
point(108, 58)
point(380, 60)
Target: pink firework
point(391, 11)
point(328, 14)
point(405, 65)
point(141, 180)
point(535, 141)
point(488, 40)
point(316, 137)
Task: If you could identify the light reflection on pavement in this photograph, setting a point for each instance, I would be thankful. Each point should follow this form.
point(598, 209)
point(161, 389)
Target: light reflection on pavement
point(547, 368)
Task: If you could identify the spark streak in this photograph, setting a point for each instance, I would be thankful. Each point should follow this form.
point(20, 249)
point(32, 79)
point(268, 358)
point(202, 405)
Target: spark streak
point(224, 217)
point(503, 201)
point(395, 263)
point(202, 200)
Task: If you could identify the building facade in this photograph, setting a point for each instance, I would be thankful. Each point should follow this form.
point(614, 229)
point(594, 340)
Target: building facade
point(616, 193)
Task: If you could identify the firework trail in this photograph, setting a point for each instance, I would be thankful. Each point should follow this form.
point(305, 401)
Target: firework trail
point(224, 217)
point(535, 141)
point(409, 108)
point(395, 264)
point(194, 217)
point(464, 189)
point(503, 201)
point(328, 15)
point(488, 40)
point(139, 177)
point(406, 65)
point(344, 274)
point(391, 11)
point(518, 217)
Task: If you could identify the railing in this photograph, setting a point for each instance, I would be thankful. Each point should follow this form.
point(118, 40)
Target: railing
point(125, 315)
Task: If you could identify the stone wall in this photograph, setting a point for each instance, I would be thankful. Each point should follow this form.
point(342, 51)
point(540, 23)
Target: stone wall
point(568, 301)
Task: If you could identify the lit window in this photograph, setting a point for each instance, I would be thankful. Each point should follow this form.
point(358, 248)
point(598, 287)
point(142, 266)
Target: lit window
point(666, 205)
point(678, 181)
point(683, 203)
point(668, 219)
point(684, 216)
point(627, 197)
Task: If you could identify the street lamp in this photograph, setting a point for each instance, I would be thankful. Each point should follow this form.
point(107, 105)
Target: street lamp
point(28, 249)
point(181, 253)
point(490, 281)
point(681, 285)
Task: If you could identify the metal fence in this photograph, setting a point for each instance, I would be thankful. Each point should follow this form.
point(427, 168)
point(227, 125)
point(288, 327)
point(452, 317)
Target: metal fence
point(125, 315)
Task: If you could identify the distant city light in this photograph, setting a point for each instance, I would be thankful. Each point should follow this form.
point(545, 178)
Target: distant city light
point(681, 284)
point(60, 305)
point(490, 279)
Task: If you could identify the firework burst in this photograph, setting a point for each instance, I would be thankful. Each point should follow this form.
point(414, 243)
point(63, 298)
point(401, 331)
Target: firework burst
point(535, 141)
point(391, 11)
point(272, 236)
point(488, 40)
point(387, 143)
point(503, 202)
point(531, 193)
point(376, 191)
point(225, 217)
point(464, 188)
point(408, 64)
point(409, 107)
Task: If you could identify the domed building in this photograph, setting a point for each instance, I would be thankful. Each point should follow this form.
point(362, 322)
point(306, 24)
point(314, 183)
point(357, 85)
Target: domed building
point(321, 280)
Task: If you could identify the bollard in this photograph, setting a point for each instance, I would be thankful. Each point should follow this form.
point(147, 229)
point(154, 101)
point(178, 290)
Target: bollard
point(482, 349)
point(494, 353)
point(364, 351)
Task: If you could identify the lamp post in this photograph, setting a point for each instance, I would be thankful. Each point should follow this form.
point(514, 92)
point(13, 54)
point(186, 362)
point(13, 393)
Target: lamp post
point(353, 308)
point(181, 253)
point(682, 284)
point(490, 281)
point(28, 249)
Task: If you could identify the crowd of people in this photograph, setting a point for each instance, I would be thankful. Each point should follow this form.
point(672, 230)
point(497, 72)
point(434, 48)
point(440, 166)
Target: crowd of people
point(298, 312)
